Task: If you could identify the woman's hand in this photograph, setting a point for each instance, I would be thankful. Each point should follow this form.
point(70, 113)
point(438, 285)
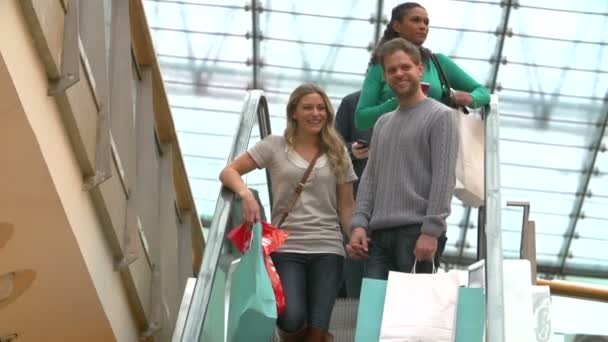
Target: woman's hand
point(462, 98)
point(251, 209)
point(357, 248)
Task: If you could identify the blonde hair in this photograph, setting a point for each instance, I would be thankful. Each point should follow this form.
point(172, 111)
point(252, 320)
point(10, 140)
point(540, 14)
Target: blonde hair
point(331, 142)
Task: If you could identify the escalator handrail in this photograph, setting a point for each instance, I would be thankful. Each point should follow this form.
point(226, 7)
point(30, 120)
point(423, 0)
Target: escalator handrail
point(255, 106)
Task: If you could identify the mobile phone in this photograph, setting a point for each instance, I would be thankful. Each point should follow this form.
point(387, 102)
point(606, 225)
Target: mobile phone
point(363, 143)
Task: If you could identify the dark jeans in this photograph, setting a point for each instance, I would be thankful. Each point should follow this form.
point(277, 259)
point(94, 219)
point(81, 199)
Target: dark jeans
point(392, 249)
point(310, 282)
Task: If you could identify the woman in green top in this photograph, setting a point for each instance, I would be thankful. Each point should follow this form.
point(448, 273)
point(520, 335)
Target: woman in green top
point(411, 22)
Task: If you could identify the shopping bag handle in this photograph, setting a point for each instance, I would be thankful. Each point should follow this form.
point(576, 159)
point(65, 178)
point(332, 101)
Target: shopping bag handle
point(416, 262)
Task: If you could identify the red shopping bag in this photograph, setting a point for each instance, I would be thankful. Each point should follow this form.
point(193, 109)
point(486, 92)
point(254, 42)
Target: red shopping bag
point(272, 239)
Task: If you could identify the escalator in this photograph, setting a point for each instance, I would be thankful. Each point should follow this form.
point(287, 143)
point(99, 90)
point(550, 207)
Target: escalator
point(203, 316)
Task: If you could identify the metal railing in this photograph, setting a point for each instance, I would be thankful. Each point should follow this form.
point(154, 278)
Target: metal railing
point(255, 107)
point(558, 287)
point(492, 217)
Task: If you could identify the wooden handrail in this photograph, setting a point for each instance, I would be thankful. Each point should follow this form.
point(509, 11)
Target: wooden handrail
point(578, 290)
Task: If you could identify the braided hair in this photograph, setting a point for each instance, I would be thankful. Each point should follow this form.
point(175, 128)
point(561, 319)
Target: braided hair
point(397, 15)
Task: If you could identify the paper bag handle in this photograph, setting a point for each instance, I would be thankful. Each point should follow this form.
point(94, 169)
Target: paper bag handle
point(416, 262)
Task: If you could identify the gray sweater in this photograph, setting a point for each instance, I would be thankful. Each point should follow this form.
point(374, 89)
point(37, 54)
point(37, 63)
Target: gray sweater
point(411, 172)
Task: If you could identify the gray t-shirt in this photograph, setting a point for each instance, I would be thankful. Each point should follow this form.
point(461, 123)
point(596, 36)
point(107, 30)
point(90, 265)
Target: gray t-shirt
point(313, 223)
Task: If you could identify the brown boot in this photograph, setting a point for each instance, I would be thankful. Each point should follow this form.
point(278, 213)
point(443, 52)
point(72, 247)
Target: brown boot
point(297, 336)
point(318, 335)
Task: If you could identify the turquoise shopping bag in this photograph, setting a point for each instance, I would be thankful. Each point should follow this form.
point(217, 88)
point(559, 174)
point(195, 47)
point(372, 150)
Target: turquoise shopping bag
point(371, 305)
point(470, 315)
point(253, 309)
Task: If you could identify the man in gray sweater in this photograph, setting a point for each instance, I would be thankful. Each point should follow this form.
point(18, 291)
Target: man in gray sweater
point(405, 193)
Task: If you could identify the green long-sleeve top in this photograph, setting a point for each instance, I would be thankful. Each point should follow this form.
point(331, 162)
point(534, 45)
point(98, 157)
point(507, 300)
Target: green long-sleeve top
point(378, 98)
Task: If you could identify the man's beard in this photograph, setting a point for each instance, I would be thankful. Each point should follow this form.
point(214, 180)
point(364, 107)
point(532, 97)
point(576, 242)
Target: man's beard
point(411, 90)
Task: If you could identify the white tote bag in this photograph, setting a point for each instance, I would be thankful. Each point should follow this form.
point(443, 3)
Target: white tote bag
point(470, 162)
point(420, 307)
point(541, 301)
point(517, 291)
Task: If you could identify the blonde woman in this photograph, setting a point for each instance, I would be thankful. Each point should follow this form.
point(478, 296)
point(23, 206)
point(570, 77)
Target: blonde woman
point(310, 262)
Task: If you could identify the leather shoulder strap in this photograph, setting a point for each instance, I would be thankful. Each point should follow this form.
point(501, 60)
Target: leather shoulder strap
point(298, 190)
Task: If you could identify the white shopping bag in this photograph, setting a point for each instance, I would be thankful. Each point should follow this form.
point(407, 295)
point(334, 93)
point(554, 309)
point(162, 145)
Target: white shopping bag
point(517, 287)
point(541, 301)
point(420, 307)
point(470, 162)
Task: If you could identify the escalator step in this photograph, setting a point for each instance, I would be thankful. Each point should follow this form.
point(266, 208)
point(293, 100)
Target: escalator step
point(344, 319)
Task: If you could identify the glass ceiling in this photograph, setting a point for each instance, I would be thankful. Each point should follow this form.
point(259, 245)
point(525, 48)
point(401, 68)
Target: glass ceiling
point(549, 67)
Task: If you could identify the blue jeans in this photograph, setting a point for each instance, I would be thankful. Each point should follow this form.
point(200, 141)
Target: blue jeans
point(310, 282)
point(392, 249)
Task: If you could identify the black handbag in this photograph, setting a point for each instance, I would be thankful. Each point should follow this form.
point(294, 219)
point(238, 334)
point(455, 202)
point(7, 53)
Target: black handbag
point(446, 88)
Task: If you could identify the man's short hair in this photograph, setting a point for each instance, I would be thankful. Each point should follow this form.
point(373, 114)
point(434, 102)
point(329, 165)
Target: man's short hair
point(399, 44)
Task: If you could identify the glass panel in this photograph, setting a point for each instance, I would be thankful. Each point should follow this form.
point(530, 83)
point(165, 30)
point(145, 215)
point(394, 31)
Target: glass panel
point(531, 52)
point(586, 84)
point(565, 120)
point(592, 249)
point(205, 122)
point(315, 28)
point(540, 154)
point(192, 119)
point(523, 175)
point(561, 24)
point(204, 168)
point(312, 63)
point(595, 207)
point(593, 229)
point(598, 184)
point(199, 17)
point(453, 234)
point(566, 5)
point(203, 75)
point(550, 224)
point(522, 121)
point(360, 10)
point(542, 202)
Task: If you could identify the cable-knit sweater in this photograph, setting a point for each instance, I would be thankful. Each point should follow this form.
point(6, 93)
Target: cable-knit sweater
point(411, 171)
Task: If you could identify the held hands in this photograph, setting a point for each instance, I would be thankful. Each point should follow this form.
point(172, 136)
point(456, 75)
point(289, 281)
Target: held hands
point(359, 151)
point(426, 247)
point(251, 209)
point(357, 248)
point(462, 98)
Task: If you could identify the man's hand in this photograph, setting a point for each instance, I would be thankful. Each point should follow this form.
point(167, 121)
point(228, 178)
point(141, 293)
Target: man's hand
point(359, 151)
point(357, 247)
point(426, 247)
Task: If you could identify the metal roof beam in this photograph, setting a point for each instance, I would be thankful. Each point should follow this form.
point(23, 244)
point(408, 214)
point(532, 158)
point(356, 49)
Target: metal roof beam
point(256, 36)
point(583, 188)
point(378, 21)
point(501, 32)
